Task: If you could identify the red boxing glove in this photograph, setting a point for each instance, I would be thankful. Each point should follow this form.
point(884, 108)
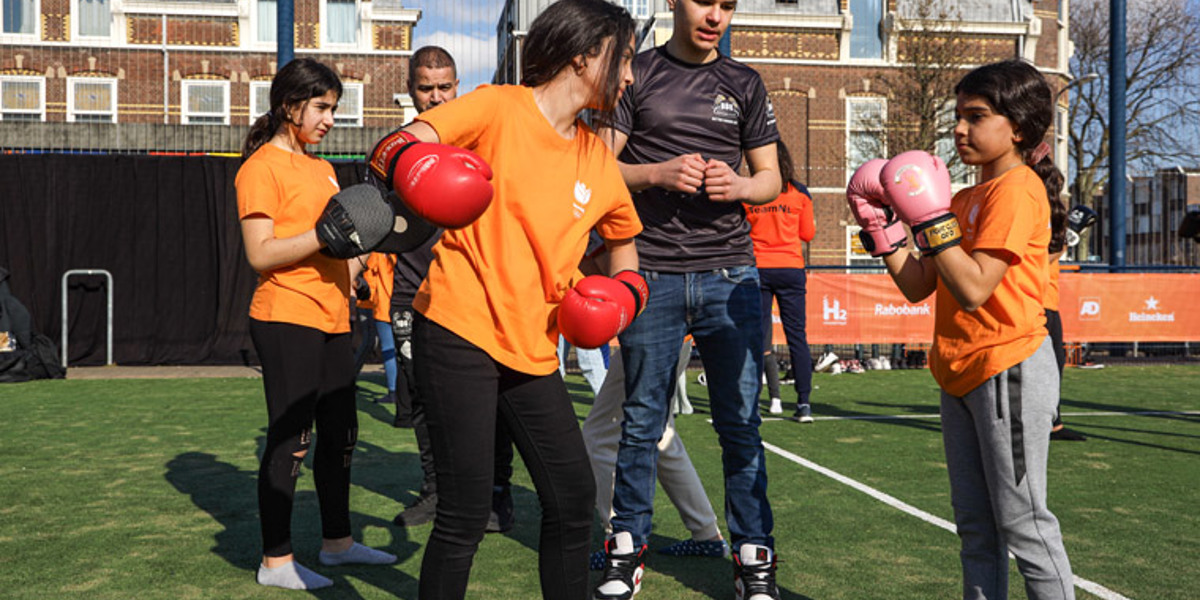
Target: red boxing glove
point(447, 186)
point(598, 308)
point(882, 233)
point(917, 186)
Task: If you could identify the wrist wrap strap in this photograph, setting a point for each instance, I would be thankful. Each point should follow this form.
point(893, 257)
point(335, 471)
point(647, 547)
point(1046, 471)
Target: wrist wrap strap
point(936, 235)
point(382, 160)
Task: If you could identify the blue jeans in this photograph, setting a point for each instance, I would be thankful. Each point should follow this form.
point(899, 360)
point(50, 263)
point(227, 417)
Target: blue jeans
point(721, 309)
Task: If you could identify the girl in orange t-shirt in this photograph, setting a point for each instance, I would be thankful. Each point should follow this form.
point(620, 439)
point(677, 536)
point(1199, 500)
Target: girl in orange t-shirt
point(485, 338)
point(300, 323)
point(779, 230)
point(991, 353)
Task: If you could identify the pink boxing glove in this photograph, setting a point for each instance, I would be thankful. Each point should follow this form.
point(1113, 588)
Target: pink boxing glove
point(917, 186)
point(882, 233)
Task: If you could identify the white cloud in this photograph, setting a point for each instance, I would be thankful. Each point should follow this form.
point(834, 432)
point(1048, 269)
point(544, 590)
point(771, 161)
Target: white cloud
point(475, 54)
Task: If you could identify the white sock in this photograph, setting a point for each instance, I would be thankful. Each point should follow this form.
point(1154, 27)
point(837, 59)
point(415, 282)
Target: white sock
point(292, 576)
point(357, 554)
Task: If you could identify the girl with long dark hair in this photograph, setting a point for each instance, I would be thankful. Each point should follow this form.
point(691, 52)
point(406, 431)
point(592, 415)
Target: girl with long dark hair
point(991, 353)
point(300, 323)
point(485, 338)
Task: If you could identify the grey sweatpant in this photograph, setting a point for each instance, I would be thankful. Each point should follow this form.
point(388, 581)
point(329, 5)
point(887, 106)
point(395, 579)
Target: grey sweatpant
point(996, 439)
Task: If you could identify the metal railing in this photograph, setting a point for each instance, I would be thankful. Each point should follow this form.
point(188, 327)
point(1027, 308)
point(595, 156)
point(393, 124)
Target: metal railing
point(109, 286)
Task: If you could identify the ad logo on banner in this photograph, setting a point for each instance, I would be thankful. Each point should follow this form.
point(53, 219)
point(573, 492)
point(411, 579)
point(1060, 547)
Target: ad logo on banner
point(1089, 309)
point(833, 314)
point(1152, 317)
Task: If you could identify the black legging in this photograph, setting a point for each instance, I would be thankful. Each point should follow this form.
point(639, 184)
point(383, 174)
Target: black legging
point(307, 375)
point(1054, 326)
point(465, 392)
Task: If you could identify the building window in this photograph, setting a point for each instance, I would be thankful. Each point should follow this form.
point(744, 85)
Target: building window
point(341, 18)
point(639, 9)
point(91, 100)
point(350, 106)
point(260, 99)
point(205, 103)
point(866, 134)
point(267, 20)
point(20, 16)
point(22, 98)
point(94, 17)
point(866, 36)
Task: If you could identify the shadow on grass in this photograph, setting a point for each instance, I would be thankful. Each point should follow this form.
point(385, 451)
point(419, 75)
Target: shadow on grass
point(712, 577)
point(227, 494)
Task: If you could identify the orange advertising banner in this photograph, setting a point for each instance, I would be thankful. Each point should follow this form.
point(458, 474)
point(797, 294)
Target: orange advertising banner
point(1124, 307)
point(1095, 307)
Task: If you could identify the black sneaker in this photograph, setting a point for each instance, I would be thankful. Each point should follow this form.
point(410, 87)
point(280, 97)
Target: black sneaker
point(418, 513)
point(623, 569)
point(502, 517)
point(1067, 435)
point(754, 573)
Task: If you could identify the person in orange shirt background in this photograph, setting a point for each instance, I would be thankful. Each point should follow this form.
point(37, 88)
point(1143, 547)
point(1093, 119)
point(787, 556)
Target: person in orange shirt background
point(378, 279)
point(488, 313)
point(779, 230)
point(992, 355)
point(300, 323)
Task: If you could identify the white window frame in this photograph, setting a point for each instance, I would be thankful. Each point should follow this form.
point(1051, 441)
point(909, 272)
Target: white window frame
point(341, 118)
point(850, 129)
point(358, 19)
point(77, 20)
point(185, 89)
point(254, 26)
point(883, 40)
point(74, 113)
point(20, 36)
point(258, 88)
point(41, 81)
point(632, 7)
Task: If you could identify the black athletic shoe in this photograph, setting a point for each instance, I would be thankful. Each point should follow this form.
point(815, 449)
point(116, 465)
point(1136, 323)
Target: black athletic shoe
point(754, 573)
point(418, 513)
point(623, 568)
point(1067, 435)
point(502, 518)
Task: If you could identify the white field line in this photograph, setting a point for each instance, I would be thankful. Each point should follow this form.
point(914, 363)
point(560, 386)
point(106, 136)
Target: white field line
point(1131, 413)
point(1090, 586)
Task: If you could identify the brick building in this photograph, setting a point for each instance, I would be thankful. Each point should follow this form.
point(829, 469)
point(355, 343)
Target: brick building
point(1155, 206)
point(153, 75)
point(826, 65)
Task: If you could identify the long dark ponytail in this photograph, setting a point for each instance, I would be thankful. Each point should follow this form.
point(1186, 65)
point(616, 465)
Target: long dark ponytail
point(296, 83)
point(1018, 91)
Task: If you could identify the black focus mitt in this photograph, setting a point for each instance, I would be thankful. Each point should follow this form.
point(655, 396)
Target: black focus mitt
point(354, 222)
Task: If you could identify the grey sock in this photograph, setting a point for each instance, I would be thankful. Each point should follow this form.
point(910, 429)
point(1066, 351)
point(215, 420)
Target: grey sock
point(292, 576)
point(357, 554)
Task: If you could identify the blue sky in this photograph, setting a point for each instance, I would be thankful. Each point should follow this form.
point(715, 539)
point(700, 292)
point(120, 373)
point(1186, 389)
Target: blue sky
point(467, 28)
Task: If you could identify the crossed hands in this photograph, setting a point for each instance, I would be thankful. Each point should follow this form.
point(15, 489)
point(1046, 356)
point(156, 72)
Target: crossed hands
point(687, 173)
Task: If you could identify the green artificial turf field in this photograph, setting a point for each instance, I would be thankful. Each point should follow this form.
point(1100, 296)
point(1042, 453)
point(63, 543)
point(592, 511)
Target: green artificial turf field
point(145, 489)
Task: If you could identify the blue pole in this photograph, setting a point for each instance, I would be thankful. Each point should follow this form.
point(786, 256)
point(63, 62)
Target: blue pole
point(1116, 132)
point(725, 45)
point(285, 45)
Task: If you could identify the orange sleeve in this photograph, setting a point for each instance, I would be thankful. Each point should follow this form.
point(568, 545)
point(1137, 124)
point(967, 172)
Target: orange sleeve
point(1009, 227)
point(257, 191)
point(458, 123)
point(621, 222)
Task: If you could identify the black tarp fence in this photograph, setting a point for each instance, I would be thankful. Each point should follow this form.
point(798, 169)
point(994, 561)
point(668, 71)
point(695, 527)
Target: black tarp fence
point(165, 227)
